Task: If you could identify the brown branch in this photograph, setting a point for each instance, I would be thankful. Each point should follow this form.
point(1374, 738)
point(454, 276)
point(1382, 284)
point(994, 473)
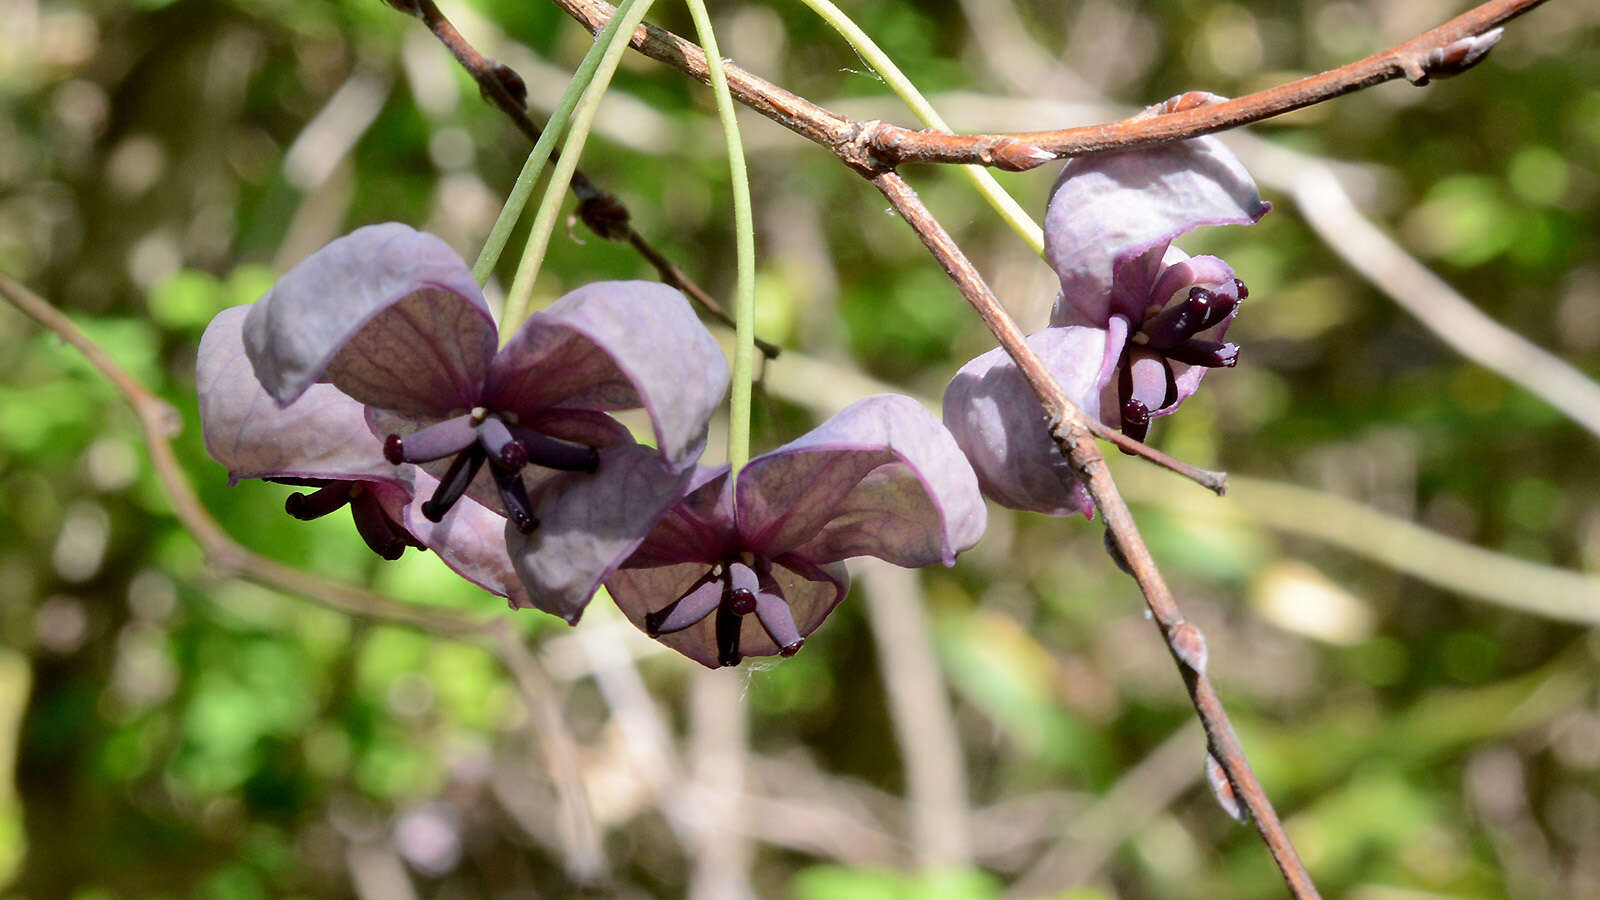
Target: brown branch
point(1074, 435)
point(868, 146)
point(602, 212)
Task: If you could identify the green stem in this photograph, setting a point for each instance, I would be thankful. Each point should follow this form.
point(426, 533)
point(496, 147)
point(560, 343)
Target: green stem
point(627, 18)
point(744, 300)
point(1002, 202)
point(495, 243)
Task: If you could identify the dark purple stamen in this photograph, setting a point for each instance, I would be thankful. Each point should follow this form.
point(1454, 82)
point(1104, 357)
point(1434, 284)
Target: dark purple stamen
point(514, 494)
point(1244, 292)
point(1171, 396)
point(555, 453)
point(1135, 420)
point(1181, 321)
point(1211, 354)
point(460, 474)
point(1221, 309)
point(728, 625)
point(1135, 415)
point(503, 449)
point(383, 535)
point(317, 504)
point(695, 604)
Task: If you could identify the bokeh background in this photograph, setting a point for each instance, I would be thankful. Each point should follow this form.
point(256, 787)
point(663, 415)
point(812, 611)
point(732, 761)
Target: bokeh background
point(1387, 591)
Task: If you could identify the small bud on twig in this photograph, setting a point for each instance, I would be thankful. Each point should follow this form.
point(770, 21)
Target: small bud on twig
point(1189, 645)
point(1222, 789)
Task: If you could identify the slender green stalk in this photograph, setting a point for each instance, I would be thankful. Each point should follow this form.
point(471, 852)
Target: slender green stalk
point(744, 298)
point(1003, 203)
point(627, 18)
point(495, 243)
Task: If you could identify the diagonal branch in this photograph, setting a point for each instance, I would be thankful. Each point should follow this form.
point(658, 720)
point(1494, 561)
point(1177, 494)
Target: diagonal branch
point(1071, 431)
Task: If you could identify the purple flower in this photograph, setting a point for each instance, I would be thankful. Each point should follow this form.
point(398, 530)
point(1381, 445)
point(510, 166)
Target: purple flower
point(393, 318)
point(321, 440)
point(1136, 325)
point(882, 478)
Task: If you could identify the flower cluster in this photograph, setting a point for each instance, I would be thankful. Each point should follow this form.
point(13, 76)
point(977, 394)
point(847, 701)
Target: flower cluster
point(370, 372)
point(1136, 326)
point(374, 374)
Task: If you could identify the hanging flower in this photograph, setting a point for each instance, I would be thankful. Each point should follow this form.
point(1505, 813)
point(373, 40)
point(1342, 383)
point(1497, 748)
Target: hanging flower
point(882, 478)
point(322, 441)
point(393, 318)
point(1136, 326)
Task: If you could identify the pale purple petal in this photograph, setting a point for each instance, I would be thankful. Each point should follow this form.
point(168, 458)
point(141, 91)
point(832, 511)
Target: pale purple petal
point(881, 478)
point(323, 434)
point(1112, 215)
point(617, 345)
point(998, 422)
point(470, 539)
point(811, 598)
point(389, 315)
point(590, 524)
point(698, 529)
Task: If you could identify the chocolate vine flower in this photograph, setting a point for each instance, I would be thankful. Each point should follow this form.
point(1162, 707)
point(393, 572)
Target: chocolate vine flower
point(882, 478)
point(322, 441)
point(393, 318)
point(1136, 325)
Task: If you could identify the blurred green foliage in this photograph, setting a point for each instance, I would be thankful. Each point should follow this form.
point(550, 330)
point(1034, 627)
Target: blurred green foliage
point(174, 735)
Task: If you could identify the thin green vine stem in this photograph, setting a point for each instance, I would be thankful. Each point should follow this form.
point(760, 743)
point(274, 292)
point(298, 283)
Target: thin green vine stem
point(628, 16)
point(1002, 202)
point(744, 297)
point(495, 243)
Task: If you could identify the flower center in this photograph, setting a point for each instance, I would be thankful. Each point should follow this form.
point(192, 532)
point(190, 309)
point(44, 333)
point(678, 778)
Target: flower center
point(483, 436)
point(1146, 383)
point(387, 538)
point(732, 590)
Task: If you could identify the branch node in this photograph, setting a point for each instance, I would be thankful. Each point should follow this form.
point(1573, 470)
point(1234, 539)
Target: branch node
point(1222, 789)
point(1451, 59)
point(1189, 646)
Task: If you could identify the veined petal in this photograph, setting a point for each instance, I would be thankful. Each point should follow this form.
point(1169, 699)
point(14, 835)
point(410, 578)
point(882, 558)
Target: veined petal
point(697, 529)
point(617, 345)
point(470, 539)
point(589, 524)
point(1112, 215)
point(812, 594)
point(881, 478)
point(389, 315)
point(998, 422)
point(323, 434)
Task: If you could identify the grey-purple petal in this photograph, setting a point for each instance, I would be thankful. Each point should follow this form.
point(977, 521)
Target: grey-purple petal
point(1112, 215)
point(389, 315)
point(881, 478)
point(617, 345)
point(998, 422)
point(590, 524)
point(323, 434)
point(470, 539)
